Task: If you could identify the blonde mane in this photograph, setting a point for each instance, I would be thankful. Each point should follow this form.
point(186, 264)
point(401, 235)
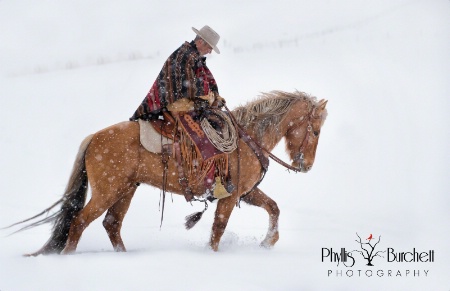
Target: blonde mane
point(265, 114)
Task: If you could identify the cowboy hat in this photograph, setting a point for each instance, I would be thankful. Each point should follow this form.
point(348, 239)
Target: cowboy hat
point(208, 35)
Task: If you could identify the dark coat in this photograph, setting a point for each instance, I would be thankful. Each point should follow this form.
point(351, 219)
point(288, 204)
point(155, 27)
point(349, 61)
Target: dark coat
point(184, 75)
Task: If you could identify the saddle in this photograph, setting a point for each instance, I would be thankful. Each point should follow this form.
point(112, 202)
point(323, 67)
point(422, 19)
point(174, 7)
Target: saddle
point(165, 126)
point(180, 126)
point(181, 136)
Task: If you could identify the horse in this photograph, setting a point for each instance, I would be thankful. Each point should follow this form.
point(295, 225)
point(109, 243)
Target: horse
point(114, 163)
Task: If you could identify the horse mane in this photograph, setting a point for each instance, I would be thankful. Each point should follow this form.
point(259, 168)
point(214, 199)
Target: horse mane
point(265, 113)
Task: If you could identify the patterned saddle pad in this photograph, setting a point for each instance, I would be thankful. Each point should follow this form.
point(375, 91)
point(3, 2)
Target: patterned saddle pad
point(196, 134)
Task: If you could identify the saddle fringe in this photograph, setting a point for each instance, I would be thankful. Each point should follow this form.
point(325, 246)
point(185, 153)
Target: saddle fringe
point(195, 167)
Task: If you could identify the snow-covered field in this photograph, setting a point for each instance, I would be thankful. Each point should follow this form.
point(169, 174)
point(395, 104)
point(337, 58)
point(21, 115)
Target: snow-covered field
point(70, 68)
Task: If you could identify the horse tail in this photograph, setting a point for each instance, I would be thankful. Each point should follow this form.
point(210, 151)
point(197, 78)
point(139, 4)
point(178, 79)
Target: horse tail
point(71, 202)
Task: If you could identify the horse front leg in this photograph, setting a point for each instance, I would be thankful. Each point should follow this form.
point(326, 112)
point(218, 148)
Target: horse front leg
point(257, 197)
point(223, 211)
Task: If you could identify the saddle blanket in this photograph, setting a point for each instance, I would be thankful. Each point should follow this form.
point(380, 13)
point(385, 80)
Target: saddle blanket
point(151, 140)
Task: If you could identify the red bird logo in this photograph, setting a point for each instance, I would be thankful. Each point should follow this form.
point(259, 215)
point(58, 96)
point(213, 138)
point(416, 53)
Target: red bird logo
point(370, 237)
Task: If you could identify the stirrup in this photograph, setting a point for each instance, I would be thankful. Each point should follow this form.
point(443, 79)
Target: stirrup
point(208, 195)
point(219, 190)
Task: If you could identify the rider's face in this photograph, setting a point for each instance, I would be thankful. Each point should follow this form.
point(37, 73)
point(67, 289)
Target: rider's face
point(203, 47)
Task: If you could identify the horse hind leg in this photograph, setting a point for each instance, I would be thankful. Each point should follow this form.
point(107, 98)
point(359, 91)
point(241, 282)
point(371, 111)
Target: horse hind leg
point(257, 198)
point(114, 218)
point(95, 207)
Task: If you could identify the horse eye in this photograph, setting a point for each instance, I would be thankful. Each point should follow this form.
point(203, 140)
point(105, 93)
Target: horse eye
point(316, 133)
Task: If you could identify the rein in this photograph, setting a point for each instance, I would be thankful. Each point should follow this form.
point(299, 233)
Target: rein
point(275, 158)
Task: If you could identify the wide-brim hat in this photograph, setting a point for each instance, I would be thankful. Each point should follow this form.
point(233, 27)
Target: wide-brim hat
point(209, 35)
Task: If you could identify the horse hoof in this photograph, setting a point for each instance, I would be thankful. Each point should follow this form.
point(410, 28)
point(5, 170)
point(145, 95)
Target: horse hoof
point(269, 243)
point(120, 249)
point(265, 245)
point(67, 252)
point(214, 248)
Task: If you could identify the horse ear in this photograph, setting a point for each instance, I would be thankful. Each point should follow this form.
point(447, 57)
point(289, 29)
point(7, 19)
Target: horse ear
point(322, 104)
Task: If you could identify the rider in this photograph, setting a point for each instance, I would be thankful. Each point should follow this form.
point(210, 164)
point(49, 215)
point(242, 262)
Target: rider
point(185, 84)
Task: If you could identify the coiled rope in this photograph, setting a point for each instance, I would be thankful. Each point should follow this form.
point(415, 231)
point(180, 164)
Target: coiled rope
point(227, 142)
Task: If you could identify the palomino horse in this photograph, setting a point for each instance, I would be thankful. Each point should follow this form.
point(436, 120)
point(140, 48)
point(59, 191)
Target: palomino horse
point(114, 162)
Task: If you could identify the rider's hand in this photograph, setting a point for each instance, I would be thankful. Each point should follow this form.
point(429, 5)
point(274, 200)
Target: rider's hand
point(219, 102)
point(209, 97)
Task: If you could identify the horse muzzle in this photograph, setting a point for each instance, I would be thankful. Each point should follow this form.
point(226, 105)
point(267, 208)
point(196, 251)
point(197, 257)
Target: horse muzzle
point(299, 163)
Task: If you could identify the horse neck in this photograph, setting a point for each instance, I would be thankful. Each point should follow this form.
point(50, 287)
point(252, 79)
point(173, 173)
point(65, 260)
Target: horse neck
point(269, 141)
point(275, 132)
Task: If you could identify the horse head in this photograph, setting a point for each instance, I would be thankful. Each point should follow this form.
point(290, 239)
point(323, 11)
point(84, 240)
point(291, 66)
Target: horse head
point(303, 132)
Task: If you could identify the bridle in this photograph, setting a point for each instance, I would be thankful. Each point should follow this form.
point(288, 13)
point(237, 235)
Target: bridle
point(309, 130)
point(300, 156)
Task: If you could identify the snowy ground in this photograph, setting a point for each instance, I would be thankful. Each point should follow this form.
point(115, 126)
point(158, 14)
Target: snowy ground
point(70, 68)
